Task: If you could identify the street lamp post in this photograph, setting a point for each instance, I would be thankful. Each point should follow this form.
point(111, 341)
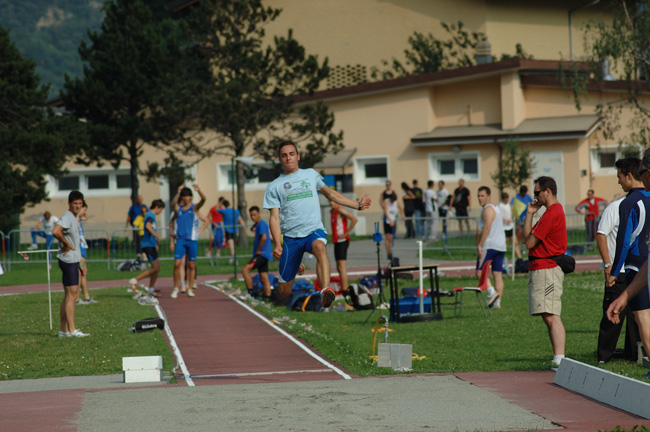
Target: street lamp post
point(248, 161)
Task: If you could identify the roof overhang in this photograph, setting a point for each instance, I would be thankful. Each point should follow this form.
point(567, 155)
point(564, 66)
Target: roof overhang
point(338, 160)
point(541, 129)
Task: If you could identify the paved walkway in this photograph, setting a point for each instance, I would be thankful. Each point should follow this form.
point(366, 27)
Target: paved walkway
point(241, 374)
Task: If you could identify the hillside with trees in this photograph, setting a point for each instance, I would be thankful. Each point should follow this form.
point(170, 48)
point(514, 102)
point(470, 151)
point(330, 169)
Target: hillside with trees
point(49, 32)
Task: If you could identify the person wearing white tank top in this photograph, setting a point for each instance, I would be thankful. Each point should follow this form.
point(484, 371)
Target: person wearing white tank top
point(491, 244)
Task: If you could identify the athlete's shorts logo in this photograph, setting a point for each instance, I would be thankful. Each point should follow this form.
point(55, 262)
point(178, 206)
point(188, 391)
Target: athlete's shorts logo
point(287, 186)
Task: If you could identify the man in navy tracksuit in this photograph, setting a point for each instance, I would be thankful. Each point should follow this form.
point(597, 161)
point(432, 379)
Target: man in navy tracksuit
point(631, 246)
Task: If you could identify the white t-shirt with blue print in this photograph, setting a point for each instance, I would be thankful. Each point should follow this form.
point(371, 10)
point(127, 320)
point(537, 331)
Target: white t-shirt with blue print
point(296, 195)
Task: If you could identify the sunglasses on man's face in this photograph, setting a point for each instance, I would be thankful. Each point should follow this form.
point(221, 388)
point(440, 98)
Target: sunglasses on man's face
point(536, 193)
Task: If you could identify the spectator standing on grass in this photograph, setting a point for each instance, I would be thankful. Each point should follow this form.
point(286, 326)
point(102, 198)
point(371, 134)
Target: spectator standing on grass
point(232, 220)
point(218, 232)
point(431, 212)
point(293, 201)
point(508, 222)
point(609, 332)
point(490, 245)
point(150, 247)
point(590, 207)
point(634, 225)
point(548, 238)
point(341, 230)
point(461, 203)
point(443, 205)
point(392, 209)
point(637, 290)
point(136, 210)
point(66, 231)
point(83, 249)
point(386, 193)
point(419, 209)
point(262, 253)
point(409, 210)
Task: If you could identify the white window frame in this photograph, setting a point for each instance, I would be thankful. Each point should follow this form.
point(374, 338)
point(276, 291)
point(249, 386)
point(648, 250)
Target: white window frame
point(360, 178)
point(223, 180)
point(594, 153)
point(52, 187)
point(434, 171)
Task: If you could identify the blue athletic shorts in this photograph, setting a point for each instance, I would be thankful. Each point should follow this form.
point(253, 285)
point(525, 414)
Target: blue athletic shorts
point(218, 236)
point(292, 251)
point(494, 255)
point(83, 251)
point(186, 247)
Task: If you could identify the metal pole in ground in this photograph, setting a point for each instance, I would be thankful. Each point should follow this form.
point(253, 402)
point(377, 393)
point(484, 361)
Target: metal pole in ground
point(25, 254)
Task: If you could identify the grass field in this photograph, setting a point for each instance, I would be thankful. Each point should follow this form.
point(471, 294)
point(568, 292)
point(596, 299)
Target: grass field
point(31, 350)
point(510, 341)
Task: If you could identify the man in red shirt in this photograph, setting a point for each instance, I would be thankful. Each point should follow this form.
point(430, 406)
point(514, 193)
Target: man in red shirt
point(590, 207)
point(548, 238)
point(218, 234)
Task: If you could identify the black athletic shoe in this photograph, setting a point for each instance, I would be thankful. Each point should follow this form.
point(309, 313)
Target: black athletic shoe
point(327, 296)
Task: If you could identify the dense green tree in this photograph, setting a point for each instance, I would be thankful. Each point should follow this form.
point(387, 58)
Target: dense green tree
point(34, 142)
point(515, 165)
point(619, 40)
point(250, 84)
point(426, 53)
point(129, 93)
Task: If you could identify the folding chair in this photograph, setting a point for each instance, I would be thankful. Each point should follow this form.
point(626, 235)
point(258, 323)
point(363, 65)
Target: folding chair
point(479, 290)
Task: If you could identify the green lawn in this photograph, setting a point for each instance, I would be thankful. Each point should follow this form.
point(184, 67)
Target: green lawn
point(31, 350)
point(510, 341)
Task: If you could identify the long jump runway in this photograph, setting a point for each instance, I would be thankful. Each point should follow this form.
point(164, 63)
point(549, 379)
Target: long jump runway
point(221, 342)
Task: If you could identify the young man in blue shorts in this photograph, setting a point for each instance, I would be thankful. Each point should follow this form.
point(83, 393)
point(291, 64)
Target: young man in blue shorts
point(491, 244)
point(150, 244)
point(187, 236)
point(295, 210)
point(262, 253)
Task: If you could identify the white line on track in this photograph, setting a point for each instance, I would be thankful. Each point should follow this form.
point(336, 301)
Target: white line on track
point(177, 351)
point(284, 333)
point(261, 373)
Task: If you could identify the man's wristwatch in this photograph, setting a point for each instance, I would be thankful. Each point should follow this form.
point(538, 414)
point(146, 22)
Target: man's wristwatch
point(608, 265)
point(359, 202)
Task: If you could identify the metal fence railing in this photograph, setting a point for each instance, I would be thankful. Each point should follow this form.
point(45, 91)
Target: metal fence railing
point(120, 245)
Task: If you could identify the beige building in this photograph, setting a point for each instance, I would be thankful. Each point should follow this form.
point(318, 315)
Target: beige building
point(441, 126)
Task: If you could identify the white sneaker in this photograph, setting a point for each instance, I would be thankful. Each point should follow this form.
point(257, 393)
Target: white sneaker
point(492, 298)
point(32, 247)
point(231, 260)
point(78, 333)
point(174, 293)
point(63, 334)
point(190, 293)
point(134, 284)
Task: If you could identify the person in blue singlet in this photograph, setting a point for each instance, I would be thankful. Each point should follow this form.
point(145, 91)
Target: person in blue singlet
point(295, 210)
point(262, 253)
point(187, 235)
point(231, 221)
point(150, 245)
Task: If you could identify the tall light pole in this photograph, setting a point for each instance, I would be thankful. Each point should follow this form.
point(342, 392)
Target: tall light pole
point(248, 161)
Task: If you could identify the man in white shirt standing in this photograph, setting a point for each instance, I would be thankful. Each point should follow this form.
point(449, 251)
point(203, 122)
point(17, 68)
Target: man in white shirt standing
point(609, 332)
point(508, 221)
point(430, 212)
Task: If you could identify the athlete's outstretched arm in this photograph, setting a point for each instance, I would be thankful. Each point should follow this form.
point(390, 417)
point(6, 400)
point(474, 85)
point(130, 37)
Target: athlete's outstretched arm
point(341, 199)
